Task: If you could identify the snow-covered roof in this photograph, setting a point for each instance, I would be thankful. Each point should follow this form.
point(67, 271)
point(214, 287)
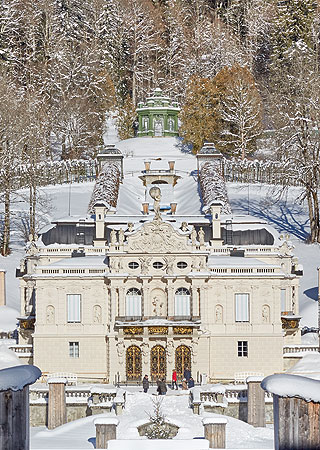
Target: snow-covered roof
point(16, 378)
point(293, 386)
point(236, 261)
point(308, 366)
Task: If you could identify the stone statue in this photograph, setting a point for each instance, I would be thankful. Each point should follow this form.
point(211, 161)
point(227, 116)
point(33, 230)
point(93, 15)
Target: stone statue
point(130, 227)
point(170, 350)
point(201, 236)
point(145, 351)
point(113, 237)
point(184, 227)
point(193, 236)
point(121, 349)
point(265, 314)
point(145, 262)
point(155, 193)
point(219, 313)
point(170, 265)
point(158, 306)
point(50, 314)
point(121, 236)
point(97, 314)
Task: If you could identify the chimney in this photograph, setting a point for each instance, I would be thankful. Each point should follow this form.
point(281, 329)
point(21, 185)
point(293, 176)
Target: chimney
point(171, 165)
point(173, 206)
point(147, 166)
point(215, 209)
point(145, 208)
point(100, 211)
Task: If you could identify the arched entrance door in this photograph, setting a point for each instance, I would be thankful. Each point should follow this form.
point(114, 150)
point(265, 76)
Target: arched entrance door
point(158, 363)
point(133, 363)
point(183, 360)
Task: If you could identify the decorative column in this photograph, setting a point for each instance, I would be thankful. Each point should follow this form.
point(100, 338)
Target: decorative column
point(106, 429)
point(215, 432)
point(57, 408)
point(122, 299)
point(256, 402)
point(145, 297)
point(170, 292)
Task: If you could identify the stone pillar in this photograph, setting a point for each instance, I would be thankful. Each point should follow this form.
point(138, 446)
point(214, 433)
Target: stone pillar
point(122, 300)
point(118, 405)
point(2, 287)
point(170, 290)
point(195, 302)
point(256, 402)
point(215, 432)
point(106, 429)
point(57, 408)
point(14, 419)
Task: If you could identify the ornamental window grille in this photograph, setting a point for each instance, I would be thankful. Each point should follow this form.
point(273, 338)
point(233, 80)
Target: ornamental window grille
point(183, 360)
point(182, 302)
point(74, 349)
point(133, 303)
point(133, 363)
point(242, 307)
point(158, 363)
point(74, 308)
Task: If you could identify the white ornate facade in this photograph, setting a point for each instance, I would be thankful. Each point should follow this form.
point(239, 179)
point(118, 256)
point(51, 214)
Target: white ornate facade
point(159, 290)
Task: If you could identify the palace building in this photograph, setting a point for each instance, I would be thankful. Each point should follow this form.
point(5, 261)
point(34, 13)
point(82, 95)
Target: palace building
point(113, 296)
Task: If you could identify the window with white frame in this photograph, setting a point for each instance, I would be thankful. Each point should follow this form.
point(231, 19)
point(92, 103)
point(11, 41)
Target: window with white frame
point(74, 349)
point(243, 348)
point(242, 307)
point(74, 307)
point(182, 302)
point(133, 303)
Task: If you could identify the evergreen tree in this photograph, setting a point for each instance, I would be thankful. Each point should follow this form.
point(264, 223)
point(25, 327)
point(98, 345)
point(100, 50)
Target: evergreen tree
point(157, 428)
point(125, 120)
point(238, 112)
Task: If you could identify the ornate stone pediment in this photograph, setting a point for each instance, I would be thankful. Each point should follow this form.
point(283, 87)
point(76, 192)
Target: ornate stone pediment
point(157, 237)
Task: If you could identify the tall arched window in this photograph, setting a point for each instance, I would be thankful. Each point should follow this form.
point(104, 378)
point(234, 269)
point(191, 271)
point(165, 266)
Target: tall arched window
point(133, 303)
point(182, 302)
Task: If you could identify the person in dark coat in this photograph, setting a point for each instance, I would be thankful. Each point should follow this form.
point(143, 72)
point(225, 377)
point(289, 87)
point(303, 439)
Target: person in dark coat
point(191, 383)
point(187, 374)
point(158, 387)
point(162, 387)
point(145, 384)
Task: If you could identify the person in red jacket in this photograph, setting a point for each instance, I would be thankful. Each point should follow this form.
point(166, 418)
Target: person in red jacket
point(174, 379)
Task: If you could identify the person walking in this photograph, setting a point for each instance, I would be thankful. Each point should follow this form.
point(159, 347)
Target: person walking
point(191, 383)
point(187, 374)
point(174, 379)
point(145, 384)
point(162, 387)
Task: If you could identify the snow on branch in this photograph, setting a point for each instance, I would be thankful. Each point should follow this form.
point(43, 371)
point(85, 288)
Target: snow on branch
point(213, 186)
point(106, 188)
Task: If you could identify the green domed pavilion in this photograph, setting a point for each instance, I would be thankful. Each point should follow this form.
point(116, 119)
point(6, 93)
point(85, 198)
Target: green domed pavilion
point(158, 116)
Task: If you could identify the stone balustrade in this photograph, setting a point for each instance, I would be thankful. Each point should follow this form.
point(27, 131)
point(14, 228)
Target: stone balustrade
point(300, 348)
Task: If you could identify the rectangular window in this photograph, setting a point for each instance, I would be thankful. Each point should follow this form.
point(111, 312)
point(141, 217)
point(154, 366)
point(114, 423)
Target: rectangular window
point(243, 348)
point(242, 307)
point(74, 349)
point(133, 305)
point(182, 306)
point(283, 300)
point(74, 307)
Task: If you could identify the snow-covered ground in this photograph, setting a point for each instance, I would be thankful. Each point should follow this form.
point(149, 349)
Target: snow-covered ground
point(80, 434)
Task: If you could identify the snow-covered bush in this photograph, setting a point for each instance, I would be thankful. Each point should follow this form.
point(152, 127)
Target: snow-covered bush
point(106, 188)
point(213, 186)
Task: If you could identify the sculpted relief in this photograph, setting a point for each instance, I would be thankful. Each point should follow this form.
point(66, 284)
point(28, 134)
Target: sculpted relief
point(157, 236)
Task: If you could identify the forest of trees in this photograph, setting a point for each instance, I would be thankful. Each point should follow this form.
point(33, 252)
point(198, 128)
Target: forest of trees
point(237, 67)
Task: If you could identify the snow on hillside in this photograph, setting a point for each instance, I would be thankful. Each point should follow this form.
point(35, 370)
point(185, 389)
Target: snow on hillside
point(259, 200)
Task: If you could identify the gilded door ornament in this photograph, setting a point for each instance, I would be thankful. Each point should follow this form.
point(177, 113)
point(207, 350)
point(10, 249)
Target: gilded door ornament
point(158, 363)
point(133, 363)
point(158, 330)
point(132, 331)
point(183, 360)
